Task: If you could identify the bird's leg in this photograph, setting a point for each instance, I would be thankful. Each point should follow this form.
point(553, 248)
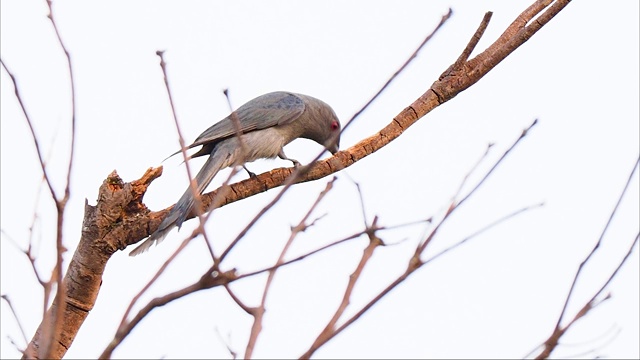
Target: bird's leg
point(282, 156)
point(251, 174)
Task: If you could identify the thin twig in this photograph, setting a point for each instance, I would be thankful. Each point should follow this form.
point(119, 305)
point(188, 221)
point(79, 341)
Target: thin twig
point(155, 277)
point(455, 204)
point(552, 342)
point(46, 285)
point(259, 312)
point(471, 171)
point(15, 316)
point(31, 258)
point(524, 133)
point(53, 323)
point(462, 59)
point(362, 207)
point(261, 213)
point(596, 246)
point(205, 282)
point(328, 246)
point(483, 230)
point(238, 129)
point(183, 149)
point(249, 310)
point(233, 353)
point(36, 143)
point(329, 330)
point(443, 20)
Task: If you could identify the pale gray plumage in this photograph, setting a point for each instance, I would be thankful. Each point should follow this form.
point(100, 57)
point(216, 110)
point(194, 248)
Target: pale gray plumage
point(267, 123)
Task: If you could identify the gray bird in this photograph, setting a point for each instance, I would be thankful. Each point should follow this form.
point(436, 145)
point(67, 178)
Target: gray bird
point(267, 123)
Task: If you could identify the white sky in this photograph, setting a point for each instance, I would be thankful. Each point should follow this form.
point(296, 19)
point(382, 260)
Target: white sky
point(496, 297)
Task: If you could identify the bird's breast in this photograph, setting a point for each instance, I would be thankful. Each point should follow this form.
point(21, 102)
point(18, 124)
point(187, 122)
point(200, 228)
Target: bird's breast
point(261, 144)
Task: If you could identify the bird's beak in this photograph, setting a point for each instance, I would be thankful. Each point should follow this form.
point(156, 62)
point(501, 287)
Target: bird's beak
point(334, 149)
point(333, 145)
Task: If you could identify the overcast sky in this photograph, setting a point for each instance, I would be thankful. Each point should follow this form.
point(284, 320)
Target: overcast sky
point(496, 297)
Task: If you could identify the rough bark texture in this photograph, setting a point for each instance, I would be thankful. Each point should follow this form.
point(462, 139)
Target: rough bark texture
point(118, 215)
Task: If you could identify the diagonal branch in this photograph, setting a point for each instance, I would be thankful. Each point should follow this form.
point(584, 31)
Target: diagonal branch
point(53, 321)
point(450, 84)
point(258, 313)
point(552, 342)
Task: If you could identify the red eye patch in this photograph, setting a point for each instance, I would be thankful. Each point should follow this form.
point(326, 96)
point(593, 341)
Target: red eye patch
point(334, 125)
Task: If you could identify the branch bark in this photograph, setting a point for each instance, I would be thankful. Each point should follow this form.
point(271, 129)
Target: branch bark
point(117, 212)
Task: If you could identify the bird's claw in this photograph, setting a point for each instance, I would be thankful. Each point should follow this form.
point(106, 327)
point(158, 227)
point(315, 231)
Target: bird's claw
point(251, 174)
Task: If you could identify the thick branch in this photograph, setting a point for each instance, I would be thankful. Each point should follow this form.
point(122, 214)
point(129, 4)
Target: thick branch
point(104, 225)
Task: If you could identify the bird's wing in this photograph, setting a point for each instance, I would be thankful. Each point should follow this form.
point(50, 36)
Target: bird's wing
point(276, 108)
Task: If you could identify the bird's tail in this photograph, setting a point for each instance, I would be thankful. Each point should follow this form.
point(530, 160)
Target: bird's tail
point(182, 208)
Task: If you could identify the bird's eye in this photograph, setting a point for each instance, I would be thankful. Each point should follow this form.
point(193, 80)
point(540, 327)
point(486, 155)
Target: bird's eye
point(334, 125)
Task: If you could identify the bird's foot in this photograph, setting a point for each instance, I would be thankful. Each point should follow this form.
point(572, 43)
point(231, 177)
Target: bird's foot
point(251, 174)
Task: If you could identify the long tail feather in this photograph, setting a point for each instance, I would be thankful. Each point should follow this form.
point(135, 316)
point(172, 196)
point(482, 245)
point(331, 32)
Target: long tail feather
point(179, 212)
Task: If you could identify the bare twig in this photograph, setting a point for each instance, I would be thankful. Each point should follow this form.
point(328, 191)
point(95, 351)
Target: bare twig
point(464, 57)
point(471, 171)
point(53, 321)
point(612, 333)
point(249, 310)
point(155, 277)
point(237, 128)
point(552, 342)
point(45, 284)
point(329, 330)
point(233, 353)
point(483, 230)
point(362, 207)
point(261, 213)
point(259, 312)
point(596, 246)
point(328, 246)
point(15, 316)
point(183, 149)
point(524, 133)
point(36, 143)
point(48, 349)
point(443, 20)
point(32, 260)
point(205, 282)
point(455, 204)
point(73, 104)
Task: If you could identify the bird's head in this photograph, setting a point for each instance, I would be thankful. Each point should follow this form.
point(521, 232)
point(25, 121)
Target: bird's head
point(321, 124)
